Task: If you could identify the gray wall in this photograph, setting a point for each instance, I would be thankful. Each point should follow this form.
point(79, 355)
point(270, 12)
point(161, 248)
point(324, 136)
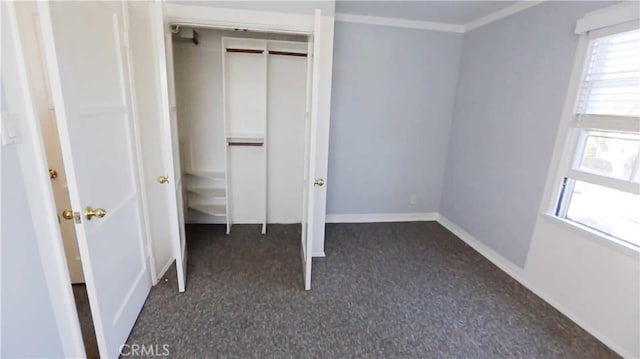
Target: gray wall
point(28, 324)
point(392, 102)
point(514, 75)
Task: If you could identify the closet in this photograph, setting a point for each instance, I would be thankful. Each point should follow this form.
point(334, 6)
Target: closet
point(241, 102)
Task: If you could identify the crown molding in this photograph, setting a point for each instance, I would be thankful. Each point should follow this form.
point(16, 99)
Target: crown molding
point(395, 22)
point(437, 26)
point(500, 14)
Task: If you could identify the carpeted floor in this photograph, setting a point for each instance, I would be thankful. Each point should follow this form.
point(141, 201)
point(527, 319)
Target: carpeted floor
point(392, 290)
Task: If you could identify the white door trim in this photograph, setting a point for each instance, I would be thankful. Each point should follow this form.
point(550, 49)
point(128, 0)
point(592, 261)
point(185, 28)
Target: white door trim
point(34, 163)
point(226, 18)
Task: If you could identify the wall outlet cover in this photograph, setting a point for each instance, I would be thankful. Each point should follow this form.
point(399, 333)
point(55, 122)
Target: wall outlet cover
point(10, 128)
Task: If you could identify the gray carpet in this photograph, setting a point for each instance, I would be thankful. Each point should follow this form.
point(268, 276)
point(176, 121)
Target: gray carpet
point(394, 290)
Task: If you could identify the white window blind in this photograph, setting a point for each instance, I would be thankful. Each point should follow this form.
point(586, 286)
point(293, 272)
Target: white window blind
point(611, 85)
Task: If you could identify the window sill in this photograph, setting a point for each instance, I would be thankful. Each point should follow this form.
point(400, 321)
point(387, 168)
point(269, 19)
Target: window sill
point(593, 235)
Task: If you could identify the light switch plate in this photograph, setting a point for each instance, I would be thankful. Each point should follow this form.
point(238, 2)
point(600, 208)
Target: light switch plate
point(10, 128)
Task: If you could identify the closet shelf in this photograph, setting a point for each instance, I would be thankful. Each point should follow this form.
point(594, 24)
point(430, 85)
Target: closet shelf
point(210, 209)
point(245, 138)
point(216, 176)
point(211, 192)
point(287, 53)
point(246, 51)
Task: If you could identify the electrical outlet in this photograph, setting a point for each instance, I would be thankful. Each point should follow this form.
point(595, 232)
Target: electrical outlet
point(10, 128)
point(413, 199)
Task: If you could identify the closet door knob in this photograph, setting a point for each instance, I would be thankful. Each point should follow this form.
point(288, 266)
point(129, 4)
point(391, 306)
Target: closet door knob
point(319, 182)
point(163, 179)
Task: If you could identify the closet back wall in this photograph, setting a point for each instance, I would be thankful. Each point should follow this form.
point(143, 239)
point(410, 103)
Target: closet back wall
point(198, 77)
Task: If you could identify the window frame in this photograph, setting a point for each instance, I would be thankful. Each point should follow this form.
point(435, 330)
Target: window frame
point(572, 133)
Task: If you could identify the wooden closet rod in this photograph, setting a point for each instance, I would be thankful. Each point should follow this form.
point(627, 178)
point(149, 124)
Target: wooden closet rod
point(245, 143)
point(286, 53)
point(246, 51)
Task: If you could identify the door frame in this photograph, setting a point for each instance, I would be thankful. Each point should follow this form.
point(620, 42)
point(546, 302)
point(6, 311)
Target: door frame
point(285, 23)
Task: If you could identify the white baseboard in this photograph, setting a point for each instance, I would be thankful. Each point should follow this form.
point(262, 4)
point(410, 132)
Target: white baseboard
point(495, 258)
point(519, 274)
point(317, 254)
point(381, 217)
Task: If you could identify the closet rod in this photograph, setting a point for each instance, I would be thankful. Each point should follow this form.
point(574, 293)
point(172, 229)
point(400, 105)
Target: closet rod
point(286, 53)
point(245, 143)
point(246, 51)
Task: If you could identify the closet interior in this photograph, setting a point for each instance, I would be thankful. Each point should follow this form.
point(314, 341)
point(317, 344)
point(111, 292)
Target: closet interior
point(242, 109)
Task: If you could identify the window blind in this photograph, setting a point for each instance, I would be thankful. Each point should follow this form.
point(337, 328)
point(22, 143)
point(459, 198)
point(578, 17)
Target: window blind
point(611, 85)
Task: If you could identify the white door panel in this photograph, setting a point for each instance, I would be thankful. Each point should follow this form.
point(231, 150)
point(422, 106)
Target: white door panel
point(29, 22)
point(310, 218)
point(147, 88)
point(171, 153)
point(86, 58)
point(323, 103)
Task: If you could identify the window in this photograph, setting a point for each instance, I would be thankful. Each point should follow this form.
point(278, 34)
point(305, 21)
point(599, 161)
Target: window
point(601, 183)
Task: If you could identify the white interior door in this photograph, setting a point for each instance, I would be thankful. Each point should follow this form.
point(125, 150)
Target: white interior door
point(156, 192)
point(309, 218)
point(84, 45)
point(29, 23)
point(171, 147)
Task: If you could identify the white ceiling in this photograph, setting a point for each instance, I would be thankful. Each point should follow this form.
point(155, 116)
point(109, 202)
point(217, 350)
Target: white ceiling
point(452, 12)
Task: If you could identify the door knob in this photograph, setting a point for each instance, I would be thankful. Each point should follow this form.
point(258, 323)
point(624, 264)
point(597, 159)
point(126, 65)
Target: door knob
point(67, 214)
point(53, 173)
point(71, 215)
point(90, 213)
point(163, 179)
point(319, 182)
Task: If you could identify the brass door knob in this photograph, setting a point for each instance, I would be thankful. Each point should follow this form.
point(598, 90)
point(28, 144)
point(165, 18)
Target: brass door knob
point(90, 213)
point(319, 182)
point(67, 214)
point(163, 179)
point(53, 173)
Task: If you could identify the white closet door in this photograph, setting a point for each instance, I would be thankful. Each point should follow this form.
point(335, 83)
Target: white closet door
point(146, 84)
point(171, 146)
point(309, 217)
point(84, 43)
